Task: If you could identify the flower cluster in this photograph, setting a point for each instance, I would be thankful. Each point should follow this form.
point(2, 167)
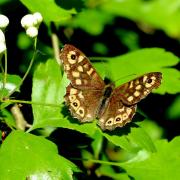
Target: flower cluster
point(4, 21)
point(31, 23)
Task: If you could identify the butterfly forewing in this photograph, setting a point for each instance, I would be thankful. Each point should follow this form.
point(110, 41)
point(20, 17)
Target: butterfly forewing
point(79, 69)
point(133, 91)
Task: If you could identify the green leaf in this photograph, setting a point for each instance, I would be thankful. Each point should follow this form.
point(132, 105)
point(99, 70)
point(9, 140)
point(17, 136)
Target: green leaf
point(47, 89)
point(163, 164)
point(85, 20)
point(8, 118)
point(160, 14)
point(55, 13)
point(12, 81)
point(134, 139)
point(147, 60)
point(97, 144)
point(151, 128)
point(24, 155)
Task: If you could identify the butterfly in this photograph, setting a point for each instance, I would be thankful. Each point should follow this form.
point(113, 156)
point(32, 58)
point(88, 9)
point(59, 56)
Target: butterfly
point(88, 97)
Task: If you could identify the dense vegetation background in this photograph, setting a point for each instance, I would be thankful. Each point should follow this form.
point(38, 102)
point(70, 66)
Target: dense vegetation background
point(125, 39)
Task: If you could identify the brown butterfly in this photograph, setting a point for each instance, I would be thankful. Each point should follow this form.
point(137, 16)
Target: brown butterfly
point(88, 97)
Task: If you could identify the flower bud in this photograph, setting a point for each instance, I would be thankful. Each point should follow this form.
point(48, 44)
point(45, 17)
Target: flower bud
point(37, 18)
point(27, 21)
point(4, 21)
point(32, 32)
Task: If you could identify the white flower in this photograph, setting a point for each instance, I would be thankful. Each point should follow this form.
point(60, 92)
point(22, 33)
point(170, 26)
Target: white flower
point(27, 21)
point(2, 47)
point(37, 18)
point(4, 21)
point(2, 37)
point(32, 32)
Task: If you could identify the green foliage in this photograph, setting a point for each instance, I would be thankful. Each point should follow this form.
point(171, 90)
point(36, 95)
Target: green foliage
point(160, 165)
point(24, 155)
point(140, 150)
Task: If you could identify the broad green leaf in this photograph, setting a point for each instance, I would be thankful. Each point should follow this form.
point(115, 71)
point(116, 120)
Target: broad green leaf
point(173, 111)
point(142, 139)
point(131, 140)
point(147, 60)
point(50, 11)
point(47, 89)
point(160, 14)
point(152, 129)
point(163, 164)
point(24, 155)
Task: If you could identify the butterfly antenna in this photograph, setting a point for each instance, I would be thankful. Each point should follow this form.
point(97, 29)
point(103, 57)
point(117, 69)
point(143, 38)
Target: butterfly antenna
point(123, 77)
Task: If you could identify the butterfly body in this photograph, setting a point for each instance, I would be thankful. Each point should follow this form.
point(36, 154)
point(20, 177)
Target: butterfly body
point(88, 97)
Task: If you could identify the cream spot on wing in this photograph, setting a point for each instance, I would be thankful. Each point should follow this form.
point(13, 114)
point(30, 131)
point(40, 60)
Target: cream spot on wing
point(146, 92)
point(147, 85)
point(73, 91)
point(109, 122)
point(90, 71)
point(136, 93)
point(125, 116)
point(80, 68)
point(67, 67)
point(128, 110)
point(86, 66)
point(72, 98)
point(138, 87)
point(88, 115)
point(121, 109)
point(75, 104)
point(80, 112)
point(131, 84)
point(101, 120)
point(78, 82)
point(145, 78)
point(75, 74)
point(80, 95)
point(137, 81)
point(80, 58)
point(130, 98)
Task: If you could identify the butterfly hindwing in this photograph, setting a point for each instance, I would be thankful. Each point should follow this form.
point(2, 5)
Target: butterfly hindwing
point(116, 114)
point(82, 103)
